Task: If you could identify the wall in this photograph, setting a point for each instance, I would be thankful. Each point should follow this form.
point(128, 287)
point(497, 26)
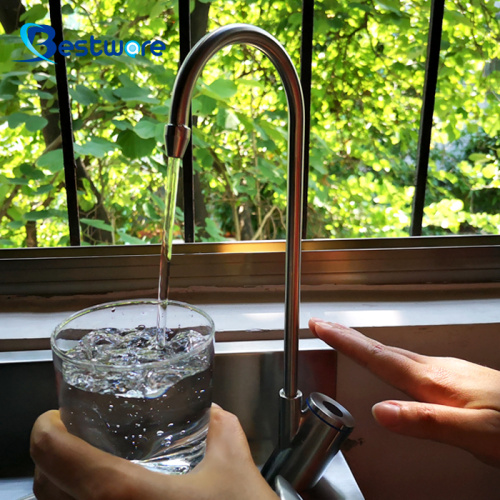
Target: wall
point(391, 467)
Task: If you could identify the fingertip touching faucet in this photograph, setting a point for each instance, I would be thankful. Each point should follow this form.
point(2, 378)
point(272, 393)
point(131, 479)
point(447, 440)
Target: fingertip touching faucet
point(290, 458)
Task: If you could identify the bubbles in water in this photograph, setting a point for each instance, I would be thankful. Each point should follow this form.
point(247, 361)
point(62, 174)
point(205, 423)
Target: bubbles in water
point(135, 349)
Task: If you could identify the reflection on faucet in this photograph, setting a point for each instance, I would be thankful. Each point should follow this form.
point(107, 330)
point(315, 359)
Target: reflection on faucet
point(302, 454)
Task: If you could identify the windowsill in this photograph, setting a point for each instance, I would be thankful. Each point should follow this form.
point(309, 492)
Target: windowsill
point(259, 319)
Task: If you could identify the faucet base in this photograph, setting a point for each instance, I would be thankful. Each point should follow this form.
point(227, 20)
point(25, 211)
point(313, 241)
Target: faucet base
point(324, 426)
point(290, 414)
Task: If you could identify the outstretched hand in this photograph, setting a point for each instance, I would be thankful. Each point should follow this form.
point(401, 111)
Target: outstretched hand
point(67, 468)
point(458, 402)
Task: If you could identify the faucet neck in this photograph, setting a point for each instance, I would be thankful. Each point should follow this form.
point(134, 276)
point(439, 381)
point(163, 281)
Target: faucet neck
point(177, 139)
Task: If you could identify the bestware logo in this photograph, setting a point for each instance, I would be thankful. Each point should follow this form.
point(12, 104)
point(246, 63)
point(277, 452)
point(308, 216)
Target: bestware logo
point(82, 48)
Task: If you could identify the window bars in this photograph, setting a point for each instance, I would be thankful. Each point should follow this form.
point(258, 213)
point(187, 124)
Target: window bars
point(424, 141)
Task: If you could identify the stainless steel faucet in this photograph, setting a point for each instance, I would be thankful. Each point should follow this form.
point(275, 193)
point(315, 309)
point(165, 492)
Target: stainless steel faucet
point(177, 139)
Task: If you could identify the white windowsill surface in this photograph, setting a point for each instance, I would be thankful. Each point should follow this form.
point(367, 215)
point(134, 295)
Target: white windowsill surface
point(258, 318)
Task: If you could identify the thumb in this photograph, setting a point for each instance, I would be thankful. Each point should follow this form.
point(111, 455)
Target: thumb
point(475, 430)
point(226, 439)
point(228, 465)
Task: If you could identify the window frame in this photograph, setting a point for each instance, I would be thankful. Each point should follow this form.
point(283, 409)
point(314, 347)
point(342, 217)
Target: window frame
point(348, 263)
point(374, 263)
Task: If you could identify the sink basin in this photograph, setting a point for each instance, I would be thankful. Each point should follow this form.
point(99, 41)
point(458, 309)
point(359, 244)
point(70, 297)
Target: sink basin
point(247, 378)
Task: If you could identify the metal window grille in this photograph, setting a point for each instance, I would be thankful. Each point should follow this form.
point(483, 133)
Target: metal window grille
point(424, 141)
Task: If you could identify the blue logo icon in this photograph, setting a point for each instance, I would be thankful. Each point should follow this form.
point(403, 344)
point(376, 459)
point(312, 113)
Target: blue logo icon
point(28, 32)
point(132, 48)
point(81, 48)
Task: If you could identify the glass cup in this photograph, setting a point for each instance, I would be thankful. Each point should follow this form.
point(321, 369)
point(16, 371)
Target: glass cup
point(126, 393)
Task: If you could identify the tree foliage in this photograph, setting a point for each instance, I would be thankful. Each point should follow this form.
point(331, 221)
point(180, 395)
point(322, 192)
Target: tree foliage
point(368, 72)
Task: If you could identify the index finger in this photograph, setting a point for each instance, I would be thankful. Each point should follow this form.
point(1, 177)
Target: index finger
point(396, 366)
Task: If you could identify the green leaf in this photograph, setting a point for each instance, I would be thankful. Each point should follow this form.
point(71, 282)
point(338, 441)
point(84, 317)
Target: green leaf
point(157, 9)
point(83, 95)
point(161, 109)
point(135, 93)
point(8, 88)
point(204, 158)
point(98, 224)
point(390, 5)
point(268, 170)
point(17, 217)
point(34, 14)
point(213, 230)
point(122, 124)
point(150, 211)
point(16, 119)
point(457, 18)
point(77, 124)
point(44, 189)
point(479, 158)
point(52, 161)
point(160, 133)
point(220, 89)
point(360, 6)
point(204, 104)
point(4, 189)
point(146, 129)
point(249, 124)
point(40, 93)
point(275, 133)
point(15, 181)
point(31, 172)
point(45, 78)
point(7, 243)
point(96, 146)
point(45, 214)
point(33, 123)
point(199, 138)
point(129, 240)
point(247, 82)
point(319, 167)
point(133, 146)
point(159, 202)
point(108, 95)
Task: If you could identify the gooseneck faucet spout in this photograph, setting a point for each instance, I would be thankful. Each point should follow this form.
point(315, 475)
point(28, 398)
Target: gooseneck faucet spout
point(177, 138)
point(308, 439)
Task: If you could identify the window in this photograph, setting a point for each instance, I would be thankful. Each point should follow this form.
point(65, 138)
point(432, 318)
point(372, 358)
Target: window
point(367, 80)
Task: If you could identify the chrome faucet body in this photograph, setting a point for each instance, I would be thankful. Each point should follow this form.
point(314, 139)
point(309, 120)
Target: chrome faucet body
point(177, 139)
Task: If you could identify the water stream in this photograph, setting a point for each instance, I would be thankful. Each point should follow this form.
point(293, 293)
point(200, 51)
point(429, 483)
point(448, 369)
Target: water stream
point(171, 183)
